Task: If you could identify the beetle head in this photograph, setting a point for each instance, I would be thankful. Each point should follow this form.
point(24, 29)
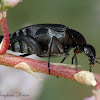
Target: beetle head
point(90, 52)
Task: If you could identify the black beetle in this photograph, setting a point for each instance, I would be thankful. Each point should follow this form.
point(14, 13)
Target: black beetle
point(49, 40)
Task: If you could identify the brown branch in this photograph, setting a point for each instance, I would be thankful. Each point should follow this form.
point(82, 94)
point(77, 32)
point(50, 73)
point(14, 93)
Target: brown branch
point(31, 65)
point(38, 66)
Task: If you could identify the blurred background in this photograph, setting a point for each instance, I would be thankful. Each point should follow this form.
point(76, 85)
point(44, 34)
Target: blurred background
point(81, 15)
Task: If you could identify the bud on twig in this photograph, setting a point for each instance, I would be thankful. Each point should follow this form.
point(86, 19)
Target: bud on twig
point(5, 4)
point(85, 77)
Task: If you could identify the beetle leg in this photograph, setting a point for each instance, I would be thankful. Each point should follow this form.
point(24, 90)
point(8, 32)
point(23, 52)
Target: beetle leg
point(64, 58)
point(74, 56)
point(66, 52)
point(31, 41)
point(49, 56)
point(59, 46)
point(90, 67)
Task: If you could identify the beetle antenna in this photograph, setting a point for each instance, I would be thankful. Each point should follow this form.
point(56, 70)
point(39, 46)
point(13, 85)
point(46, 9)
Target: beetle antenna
point(97, 62)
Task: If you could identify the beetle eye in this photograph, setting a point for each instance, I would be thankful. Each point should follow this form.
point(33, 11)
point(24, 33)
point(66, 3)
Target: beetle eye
point(88, 53)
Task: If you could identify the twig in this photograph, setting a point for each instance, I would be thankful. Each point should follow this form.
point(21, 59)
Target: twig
point(31, 66)
point(4, 5)
point(5, 42)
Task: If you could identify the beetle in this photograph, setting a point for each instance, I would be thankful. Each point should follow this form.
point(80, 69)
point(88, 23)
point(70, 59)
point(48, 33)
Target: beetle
point(51, 40)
